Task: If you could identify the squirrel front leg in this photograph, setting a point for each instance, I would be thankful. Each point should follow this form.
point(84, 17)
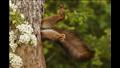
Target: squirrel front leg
point(52, 35)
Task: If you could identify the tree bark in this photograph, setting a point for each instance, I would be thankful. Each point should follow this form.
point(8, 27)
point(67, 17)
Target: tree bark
point(32, 57)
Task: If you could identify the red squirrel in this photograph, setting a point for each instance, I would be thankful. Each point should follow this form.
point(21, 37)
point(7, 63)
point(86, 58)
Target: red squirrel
point(70, 42)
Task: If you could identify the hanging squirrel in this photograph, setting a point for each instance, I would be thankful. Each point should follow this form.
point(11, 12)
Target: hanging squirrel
point(71, 43)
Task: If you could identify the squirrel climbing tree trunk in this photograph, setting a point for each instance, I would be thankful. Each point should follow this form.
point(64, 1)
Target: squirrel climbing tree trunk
point(32, 57)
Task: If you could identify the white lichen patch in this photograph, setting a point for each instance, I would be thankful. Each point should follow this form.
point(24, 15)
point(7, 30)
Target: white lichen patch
point(25, 28)
point(13, 46)
point(12, 38)
point(33, 39)
point(24, 38)
point(15, 61)
point(22, 16)
point(13, 6)
point(27, 35)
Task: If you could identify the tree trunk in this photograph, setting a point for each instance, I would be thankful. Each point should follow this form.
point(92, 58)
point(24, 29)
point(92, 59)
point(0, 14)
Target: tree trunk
point(32, 57)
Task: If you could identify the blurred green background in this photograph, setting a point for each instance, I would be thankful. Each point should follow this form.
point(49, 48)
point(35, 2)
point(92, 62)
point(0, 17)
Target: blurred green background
point(92, 20)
